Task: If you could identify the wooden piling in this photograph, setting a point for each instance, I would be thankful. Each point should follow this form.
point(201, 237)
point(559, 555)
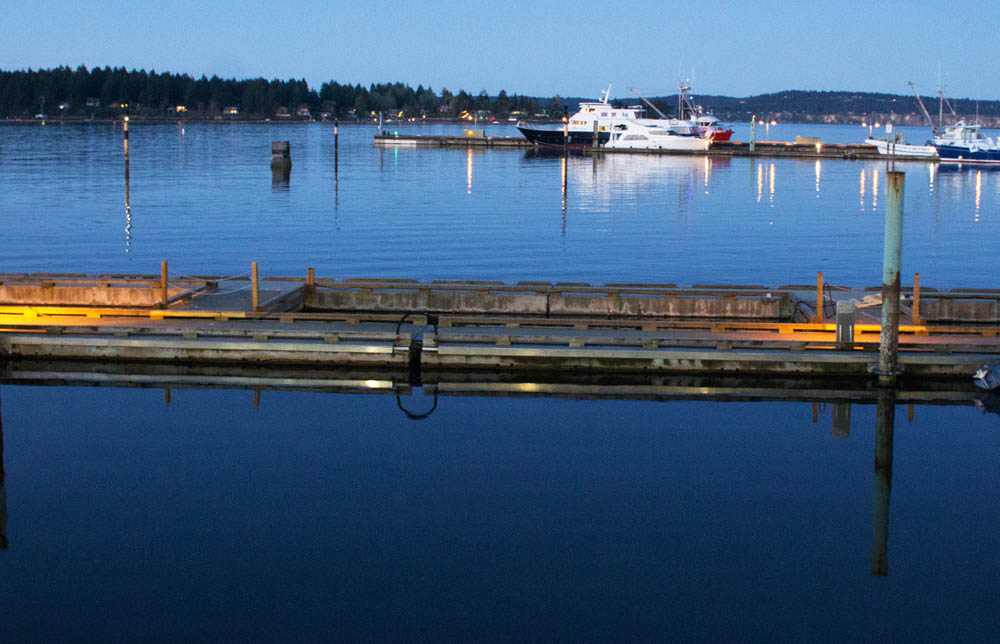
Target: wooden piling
point(254, 287)
point(819, 298)
point(311, 278)
point(916, 299)
point(163, 284)
point(891, 259)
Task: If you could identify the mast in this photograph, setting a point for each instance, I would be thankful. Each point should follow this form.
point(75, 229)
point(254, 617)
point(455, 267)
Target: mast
point(648, 102)
point(920, 102)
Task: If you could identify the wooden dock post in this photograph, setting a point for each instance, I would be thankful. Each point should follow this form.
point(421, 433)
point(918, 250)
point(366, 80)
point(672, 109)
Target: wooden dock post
point(254, 288)
point(818, 318)
point(753, 133)
point(163, 284)
point(565, 130)
point(336, 144)
point(311, 278)
point(916, 299)
point(281, 160)
point(595, 134)
point(891, 260)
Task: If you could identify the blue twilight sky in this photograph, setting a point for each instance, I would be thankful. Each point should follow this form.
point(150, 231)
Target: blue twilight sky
point(538, 48)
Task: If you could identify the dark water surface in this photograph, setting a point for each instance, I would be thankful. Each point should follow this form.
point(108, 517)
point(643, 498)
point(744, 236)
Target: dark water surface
point(324, 517)
point(335, 517)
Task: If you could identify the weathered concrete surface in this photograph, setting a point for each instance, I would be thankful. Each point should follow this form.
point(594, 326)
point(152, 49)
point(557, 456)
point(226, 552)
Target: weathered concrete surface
point(53, 294)
point(552, 300)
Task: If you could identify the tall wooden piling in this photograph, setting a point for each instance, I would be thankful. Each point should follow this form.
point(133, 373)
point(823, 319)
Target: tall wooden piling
point(916, 299)
point(596, 130)
point(565, 119)
point(254, 288)
point(891, 261)
point(336, 145)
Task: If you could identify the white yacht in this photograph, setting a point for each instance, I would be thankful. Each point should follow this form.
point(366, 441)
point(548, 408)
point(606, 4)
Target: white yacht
point(637, 135)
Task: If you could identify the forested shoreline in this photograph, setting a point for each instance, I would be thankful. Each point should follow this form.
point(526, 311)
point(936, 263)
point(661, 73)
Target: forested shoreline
point(112, 92)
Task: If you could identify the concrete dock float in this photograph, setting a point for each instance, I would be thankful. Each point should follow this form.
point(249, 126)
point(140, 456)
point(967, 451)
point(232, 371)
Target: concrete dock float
point(447, 326)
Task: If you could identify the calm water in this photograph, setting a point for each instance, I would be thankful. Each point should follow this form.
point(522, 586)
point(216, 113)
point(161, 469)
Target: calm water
point(204, 200)
point(334, 517)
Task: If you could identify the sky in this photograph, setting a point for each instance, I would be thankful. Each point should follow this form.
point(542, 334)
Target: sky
point(540, 48)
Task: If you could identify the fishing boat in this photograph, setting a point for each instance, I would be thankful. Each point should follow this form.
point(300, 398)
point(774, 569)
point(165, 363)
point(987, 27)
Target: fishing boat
point(961, 142)
point(711, 128)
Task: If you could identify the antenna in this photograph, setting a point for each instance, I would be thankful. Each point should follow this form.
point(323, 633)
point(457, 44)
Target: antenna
point(648, 102)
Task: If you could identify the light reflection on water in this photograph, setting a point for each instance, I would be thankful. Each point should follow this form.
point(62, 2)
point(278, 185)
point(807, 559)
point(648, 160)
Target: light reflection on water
point(203, 201)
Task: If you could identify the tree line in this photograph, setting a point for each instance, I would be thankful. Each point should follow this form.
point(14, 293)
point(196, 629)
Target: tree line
point(113, 91)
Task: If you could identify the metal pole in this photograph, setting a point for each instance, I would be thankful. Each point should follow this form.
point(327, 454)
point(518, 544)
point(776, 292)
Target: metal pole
point(254, 287)
point(336, 144)
point(753, 132)
point(891, 260)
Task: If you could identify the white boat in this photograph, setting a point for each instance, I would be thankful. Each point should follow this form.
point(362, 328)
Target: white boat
point(894, 145)
point(608, 118)
point(639, 135)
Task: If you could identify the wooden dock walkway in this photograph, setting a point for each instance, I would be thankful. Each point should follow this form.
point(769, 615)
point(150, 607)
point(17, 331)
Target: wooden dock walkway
point(449, 326)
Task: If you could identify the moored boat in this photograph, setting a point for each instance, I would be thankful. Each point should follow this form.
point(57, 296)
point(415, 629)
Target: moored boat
point(963, 143)
point(639, 136)
point(893, 144)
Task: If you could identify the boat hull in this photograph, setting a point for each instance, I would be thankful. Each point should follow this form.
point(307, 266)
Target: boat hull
point(962, 154)
point(556, 138)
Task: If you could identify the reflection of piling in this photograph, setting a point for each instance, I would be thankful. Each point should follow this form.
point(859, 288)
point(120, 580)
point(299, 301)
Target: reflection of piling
point(842, 420)
point(3, 493)
point(281, 161)
point(891, 260)
point(883, 480)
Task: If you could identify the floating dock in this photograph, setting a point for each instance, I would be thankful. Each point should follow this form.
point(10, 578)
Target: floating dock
point(425, 328)
point(779, 149)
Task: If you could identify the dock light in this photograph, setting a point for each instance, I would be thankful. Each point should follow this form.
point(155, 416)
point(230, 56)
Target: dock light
point(864, 124)
point(819, 147)
point(877, 124)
